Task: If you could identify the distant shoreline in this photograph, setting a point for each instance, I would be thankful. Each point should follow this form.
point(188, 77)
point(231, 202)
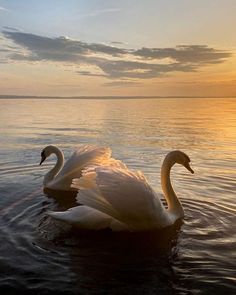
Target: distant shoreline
point(2, 96)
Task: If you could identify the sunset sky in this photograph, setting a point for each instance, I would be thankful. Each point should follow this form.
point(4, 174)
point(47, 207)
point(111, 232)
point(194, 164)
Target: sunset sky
point(125, 47)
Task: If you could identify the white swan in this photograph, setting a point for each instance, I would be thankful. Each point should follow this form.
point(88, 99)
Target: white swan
point(120, 199)
point(61, 175)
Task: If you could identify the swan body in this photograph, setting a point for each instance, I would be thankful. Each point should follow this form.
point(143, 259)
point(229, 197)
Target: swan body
point(122, 200)
point(60, 176)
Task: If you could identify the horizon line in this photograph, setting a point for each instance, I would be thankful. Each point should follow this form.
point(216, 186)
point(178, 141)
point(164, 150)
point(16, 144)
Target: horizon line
point(12, 96)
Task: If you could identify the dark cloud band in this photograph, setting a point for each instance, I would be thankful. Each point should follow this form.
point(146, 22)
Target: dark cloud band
point(114, 62)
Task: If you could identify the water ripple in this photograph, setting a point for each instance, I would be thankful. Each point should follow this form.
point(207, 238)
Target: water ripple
point(196, 256)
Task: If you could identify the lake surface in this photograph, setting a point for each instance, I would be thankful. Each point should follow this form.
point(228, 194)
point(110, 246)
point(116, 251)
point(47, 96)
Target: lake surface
point(196, 256)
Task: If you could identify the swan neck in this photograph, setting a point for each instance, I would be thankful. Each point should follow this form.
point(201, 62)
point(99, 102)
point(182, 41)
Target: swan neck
point(174, 205)
point(59, 164)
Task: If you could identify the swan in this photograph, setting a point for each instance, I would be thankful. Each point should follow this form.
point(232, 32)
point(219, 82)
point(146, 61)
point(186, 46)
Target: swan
point(122, 200)
point(60, 176)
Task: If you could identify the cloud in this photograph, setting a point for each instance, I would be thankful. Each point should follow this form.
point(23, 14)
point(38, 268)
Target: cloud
point(121, 83)
point(141, 70)
point(199, 54)
point(11, 29)
point(88, 73)
point(117, 43)
point(113, 62)
point(3, 9)
point(99, 12)
point(58, 49)
point(4, 50)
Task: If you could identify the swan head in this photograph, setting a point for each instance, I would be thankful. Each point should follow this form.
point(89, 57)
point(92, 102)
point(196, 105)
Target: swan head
point(182, 159)
point(46, 152)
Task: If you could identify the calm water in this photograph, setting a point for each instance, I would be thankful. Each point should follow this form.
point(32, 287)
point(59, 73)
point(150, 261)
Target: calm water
point(40, 256)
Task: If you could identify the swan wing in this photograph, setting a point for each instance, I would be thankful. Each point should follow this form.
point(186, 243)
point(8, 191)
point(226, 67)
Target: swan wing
point(82, 157)
point(122, 194)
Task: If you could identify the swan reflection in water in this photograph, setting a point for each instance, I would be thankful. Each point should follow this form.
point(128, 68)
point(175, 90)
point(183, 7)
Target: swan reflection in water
point(112, 196)
point(107, 260)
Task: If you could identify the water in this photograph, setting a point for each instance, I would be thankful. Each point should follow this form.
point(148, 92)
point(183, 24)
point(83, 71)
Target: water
point(196, 256)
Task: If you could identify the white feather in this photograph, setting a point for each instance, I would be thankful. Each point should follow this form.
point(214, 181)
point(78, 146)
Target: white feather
point(125, 198)
point(60, 177)
point(120, 193)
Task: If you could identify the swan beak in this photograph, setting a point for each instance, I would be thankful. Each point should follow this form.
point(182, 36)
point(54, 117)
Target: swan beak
point(42, 160)
point(187, 166)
